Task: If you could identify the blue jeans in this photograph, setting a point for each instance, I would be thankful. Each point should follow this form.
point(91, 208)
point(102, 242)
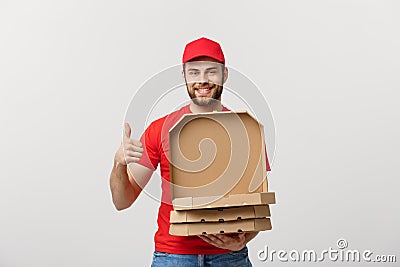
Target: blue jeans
point(231, 259)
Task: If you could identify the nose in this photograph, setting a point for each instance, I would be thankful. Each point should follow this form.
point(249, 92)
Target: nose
point(203, 78)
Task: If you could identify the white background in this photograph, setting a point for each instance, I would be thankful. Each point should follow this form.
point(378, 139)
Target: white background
point(68, 70)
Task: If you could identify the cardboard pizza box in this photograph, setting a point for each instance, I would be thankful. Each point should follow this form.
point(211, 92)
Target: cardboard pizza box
point(220, 214)
point(238, 200)
point(218, 159)
point(248, 225)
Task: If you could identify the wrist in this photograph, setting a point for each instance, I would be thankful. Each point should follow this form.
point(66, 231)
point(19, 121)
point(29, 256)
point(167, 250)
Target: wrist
point(119, 166)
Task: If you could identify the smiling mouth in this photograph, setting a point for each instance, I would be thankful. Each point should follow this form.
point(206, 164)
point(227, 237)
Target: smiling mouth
point(203, 91)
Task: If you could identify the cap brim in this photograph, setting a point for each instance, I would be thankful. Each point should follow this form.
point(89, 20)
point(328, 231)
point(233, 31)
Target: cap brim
point(203, 55)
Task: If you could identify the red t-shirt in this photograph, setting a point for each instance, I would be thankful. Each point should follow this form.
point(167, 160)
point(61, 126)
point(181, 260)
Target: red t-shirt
point(155, 144)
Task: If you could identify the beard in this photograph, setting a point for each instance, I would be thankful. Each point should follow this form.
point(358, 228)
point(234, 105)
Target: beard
point(210, 99)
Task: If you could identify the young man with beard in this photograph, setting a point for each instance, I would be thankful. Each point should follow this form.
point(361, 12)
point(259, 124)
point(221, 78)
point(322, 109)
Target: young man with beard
point(205, 73)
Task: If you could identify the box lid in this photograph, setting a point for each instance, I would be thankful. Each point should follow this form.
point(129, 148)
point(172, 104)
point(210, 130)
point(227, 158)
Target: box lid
point(189, 203)
point(220, 214)
point(217, 154)
point(248, 225)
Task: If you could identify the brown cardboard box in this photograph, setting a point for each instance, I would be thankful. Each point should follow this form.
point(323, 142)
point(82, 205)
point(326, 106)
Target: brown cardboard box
point(190, 203)
point(217, 159)
point(248, 225)
point(220, 215)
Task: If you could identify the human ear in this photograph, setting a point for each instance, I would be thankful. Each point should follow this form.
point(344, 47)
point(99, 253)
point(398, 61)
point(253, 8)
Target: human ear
point(225, 74)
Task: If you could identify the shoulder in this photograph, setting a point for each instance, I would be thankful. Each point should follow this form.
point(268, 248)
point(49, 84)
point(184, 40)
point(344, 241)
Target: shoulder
point(167, 119)
point(225, 108)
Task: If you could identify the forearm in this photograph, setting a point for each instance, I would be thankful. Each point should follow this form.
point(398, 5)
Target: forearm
point(123, 193)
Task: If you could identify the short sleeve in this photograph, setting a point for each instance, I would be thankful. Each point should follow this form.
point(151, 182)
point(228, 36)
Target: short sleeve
point(266, 160)
point(150, 140)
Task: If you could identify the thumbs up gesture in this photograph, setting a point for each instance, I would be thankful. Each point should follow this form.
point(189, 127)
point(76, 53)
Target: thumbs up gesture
point(130, 150)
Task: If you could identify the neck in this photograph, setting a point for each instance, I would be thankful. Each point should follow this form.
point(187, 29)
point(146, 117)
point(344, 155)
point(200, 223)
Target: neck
point(209, 108)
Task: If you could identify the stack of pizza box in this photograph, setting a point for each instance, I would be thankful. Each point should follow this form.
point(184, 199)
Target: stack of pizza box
point(218, 174)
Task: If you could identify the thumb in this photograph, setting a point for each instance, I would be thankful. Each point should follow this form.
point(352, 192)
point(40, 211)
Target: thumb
point(127, 130)
point(241, 235)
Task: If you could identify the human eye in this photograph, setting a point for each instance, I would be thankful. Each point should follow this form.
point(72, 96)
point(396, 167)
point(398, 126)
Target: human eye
point(211, 71)
point(193, 72)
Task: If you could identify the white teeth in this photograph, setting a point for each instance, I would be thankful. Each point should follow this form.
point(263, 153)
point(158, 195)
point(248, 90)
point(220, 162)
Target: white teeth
point(203, 91)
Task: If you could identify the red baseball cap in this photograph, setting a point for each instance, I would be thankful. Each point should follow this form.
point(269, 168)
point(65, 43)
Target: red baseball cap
point(203, 47)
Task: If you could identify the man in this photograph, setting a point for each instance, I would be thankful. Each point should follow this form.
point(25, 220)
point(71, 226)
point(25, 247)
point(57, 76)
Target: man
point(205, 73)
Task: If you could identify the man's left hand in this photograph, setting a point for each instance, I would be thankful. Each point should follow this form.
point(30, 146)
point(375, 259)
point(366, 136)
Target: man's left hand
point(232, 242)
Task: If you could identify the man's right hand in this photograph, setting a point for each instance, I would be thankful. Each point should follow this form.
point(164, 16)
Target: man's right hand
point(130, 150)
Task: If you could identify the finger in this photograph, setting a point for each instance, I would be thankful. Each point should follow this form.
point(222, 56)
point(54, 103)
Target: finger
point(241, 236)
point(136, 143)
point(133, 154)
point(215, 239)
point(131, 160)
point(131, 147)
point(204, 238)
point(226, 237)
point(127, 130)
